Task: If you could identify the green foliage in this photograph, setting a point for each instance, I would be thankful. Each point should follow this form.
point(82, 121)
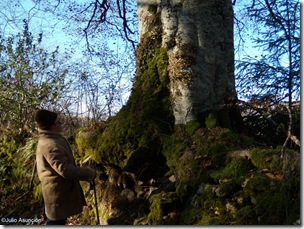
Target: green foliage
point(25, 161)
point(192, 126)
point(37, 193)
point(27, 152)
point(8, 149)
point(172, 152)
point(211, 120)
point(218, 152)
point(30, 78)
point(156, 213)
point(17, 164)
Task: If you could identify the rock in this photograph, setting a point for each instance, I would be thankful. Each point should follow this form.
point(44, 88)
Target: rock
point(172, 178)
point(128, 194)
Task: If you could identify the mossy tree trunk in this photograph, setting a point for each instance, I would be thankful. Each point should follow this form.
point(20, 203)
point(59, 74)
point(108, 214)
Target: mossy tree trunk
point(197, 36)
point(184, 72)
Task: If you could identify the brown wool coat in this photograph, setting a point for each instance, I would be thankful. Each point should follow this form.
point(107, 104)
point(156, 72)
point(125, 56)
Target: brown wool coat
point(59, 176)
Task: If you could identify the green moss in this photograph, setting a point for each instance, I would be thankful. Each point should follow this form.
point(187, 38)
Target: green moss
point(209, 192)
point(218, 152)
point(85, 140)
point(184, 188)
point(266, 158)
point(141, 221)
point(173, 146)
point(191, 215)
point(231, 137)
point(216, 209)
point(246, 216)
point(228, 188)
point(192, 126)
point(160, 205)
point(208, 220)
point(259, 182)
point(153, 75)
point(136, 131)
point(228, 135)
point(155, 216)
point(211, 120)
point(237, 170)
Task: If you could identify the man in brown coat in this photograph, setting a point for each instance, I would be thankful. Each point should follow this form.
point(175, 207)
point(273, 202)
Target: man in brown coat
point(57, 171)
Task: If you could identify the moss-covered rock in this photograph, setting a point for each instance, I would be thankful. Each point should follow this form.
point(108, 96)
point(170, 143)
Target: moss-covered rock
point(211, 120)
point(218, 180)
point(239, 188)
point(85, 140)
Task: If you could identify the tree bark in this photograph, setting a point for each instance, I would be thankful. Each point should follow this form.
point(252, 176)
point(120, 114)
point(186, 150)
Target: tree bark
point(198, 38)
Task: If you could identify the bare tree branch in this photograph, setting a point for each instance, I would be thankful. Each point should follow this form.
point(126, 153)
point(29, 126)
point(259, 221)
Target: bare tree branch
point(125, 24)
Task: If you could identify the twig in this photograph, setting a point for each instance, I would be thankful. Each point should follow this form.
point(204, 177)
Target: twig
point(288, 132)
point(122, 15)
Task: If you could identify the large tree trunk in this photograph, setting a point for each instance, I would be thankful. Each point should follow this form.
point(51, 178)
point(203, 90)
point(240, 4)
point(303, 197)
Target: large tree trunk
point(198, 38)
point(184, 64)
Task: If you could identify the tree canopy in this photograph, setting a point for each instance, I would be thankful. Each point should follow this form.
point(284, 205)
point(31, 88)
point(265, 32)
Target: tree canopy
point(31, 77)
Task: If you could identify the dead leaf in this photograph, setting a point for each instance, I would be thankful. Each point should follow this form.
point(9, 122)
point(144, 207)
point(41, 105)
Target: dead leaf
point(272, 175)
point(265, 171)
point(193, 146)
point(200, 157)
point(268, 159)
